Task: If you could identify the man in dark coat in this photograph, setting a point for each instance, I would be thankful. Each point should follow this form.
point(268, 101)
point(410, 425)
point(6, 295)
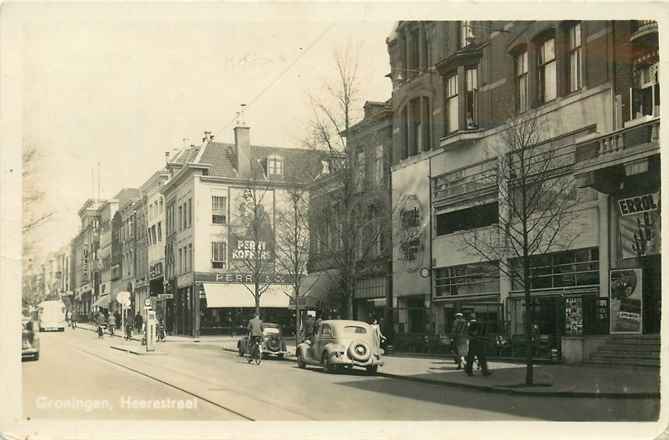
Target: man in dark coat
point(477, 346)
point(117, 318)
point(138, 322)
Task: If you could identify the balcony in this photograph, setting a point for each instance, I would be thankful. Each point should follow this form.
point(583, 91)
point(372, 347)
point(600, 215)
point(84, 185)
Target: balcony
point(644, 33)
point(601, 159)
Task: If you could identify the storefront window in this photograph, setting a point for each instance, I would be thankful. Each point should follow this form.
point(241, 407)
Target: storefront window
point(559, 270)
point(468, 279)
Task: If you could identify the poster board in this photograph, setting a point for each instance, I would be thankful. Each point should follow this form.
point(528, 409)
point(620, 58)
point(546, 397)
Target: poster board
point(626, 301)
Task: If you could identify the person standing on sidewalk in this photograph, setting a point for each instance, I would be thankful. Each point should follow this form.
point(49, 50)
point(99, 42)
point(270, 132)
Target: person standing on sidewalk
point(112, 323)
point(138, 322)
point(477, 346)
point(73, 319)
point(128, 327)
point(117, 317)
point(377, 333)
point(460, 340)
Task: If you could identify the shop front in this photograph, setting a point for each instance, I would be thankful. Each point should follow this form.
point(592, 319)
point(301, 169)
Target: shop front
point(370, 299)
point(226, 303)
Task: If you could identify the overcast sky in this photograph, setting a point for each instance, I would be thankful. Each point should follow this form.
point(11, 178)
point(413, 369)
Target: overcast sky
point(122, 93)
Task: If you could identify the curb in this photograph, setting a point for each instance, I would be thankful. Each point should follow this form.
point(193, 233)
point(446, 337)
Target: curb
point(511, 391)
point(137, 352)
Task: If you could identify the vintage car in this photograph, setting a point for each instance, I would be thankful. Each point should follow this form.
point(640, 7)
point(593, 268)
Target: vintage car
point(30, 339)
point(272, 345)
point(341, 344)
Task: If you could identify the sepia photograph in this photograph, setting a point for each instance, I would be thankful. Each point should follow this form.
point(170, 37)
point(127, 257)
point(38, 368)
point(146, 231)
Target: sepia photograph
point(388, 219)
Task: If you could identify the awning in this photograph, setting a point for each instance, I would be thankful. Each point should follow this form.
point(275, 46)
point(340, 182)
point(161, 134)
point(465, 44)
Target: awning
point(317, 286)
point(103, 301)
point(237, 295)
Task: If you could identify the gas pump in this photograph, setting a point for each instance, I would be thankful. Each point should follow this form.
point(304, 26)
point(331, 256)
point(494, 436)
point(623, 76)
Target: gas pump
point(151, 327)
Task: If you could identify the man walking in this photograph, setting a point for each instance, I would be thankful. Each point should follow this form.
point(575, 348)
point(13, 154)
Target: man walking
point(460, 341)
point(477, 346)
point(138, 322)
point(255, 329)
point(117, 317)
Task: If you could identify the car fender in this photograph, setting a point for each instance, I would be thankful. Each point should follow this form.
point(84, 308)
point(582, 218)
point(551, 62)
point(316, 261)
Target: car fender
point(333, 348)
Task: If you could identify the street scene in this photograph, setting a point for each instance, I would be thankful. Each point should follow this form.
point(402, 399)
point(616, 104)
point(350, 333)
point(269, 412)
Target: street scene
point(410, 220)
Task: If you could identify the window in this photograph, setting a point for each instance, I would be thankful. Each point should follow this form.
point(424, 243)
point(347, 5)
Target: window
point(218, 253)
point(467, 279)
point(219, 207)
point(469, 218)
point(575, 58)
point(180, 219)
point(160, 234)
point(521, 82)
point(190, 212)
point(360, 171)
point(645, 96)
point(404, 133)
point(546, 72)
point(275, 166)
point(155, 237)
point(189, 259)
point(180, 266)
point(452, 114)
point(559, 269)
point(465, 34)
point(378, 164)
point(471, 88)
point(426, 131)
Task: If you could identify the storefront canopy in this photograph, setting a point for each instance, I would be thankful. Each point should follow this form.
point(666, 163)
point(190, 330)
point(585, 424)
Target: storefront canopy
point(103, 301)
point(237, 295)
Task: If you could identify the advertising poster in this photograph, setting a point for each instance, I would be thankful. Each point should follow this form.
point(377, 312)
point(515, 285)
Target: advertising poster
point(640, 225)
point(626, 301)
point(411, 229)
point(573, 316)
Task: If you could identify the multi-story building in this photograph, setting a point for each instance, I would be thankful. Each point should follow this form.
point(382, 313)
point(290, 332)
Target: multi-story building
point(141, 283)
point(367, 194)
point(155, 239)
point(207, 241)
point(458, 87)
point(127, 238)
point(85, 279)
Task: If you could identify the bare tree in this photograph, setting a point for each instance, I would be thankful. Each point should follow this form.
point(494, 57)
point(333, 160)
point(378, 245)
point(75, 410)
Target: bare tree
point(537, 199)
point(252, 234)
point(346, 221)
point(34, 216)
point(292, 247)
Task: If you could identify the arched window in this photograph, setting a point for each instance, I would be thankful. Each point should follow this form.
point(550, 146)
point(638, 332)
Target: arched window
point(416, 127)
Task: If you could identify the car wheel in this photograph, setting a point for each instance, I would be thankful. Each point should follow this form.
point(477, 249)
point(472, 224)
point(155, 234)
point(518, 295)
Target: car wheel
point(300, 361)
point(36, 358)
point(372, 370)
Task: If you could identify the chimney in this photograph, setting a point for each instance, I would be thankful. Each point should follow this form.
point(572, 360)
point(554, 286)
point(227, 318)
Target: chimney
point(242, 145)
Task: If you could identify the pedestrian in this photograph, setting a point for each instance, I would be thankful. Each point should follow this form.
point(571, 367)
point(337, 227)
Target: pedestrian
point(117, 318)
point(477, 346)
point(378, 336)
point(138, 322)
point(68, 318)
point(460, 340)
point(112, 323)
point(100, 320)
point(73, 319)
point(128, 327)
point(309, 325)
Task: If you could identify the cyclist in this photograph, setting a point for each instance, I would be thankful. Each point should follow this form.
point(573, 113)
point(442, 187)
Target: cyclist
point(255, 329)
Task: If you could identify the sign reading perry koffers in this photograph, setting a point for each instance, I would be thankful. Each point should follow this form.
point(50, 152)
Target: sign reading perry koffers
point(252, 219)
point(626, 301)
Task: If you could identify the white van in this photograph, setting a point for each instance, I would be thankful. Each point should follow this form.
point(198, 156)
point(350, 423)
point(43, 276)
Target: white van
point(52, 316)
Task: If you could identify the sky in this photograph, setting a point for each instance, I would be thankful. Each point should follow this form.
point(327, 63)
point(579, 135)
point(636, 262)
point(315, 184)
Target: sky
point(122, 93)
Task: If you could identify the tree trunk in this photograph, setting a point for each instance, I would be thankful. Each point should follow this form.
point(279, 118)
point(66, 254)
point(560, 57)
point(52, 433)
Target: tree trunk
point(297, 320)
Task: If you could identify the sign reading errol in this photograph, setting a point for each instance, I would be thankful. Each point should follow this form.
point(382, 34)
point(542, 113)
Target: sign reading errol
point(638, 204)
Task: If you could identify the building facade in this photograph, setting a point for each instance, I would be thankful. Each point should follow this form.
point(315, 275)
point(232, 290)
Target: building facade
point(208, 240)
point(459, 87)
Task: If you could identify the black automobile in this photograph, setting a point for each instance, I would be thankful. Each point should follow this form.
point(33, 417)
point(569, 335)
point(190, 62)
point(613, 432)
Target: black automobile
point(30, 340)
point(272, 345)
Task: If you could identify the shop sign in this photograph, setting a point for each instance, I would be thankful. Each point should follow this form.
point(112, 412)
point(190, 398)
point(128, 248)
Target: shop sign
point(156, 270)
point(164, 296)
point(638, 204)
point(241, 278)
point(626, 301)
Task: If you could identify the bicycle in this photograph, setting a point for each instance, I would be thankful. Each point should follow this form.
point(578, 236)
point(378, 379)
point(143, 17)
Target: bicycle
point(256, 350)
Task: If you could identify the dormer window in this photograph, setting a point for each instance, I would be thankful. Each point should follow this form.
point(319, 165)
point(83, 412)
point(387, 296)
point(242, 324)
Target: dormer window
point(274, 166)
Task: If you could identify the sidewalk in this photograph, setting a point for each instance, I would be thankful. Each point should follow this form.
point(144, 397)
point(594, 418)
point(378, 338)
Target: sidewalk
point(555, 380)
point(552, 380)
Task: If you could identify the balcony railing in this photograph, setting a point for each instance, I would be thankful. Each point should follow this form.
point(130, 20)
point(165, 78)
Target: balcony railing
point(614, 143)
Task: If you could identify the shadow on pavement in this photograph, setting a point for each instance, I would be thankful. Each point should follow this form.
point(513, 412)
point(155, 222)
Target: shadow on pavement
point(539, 407)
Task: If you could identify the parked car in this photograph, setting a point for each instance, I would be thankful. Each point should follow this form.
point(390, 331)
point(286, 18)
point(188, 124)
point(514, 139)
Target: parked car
point(341, 344)
point(30, 339)
point(272, 345)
